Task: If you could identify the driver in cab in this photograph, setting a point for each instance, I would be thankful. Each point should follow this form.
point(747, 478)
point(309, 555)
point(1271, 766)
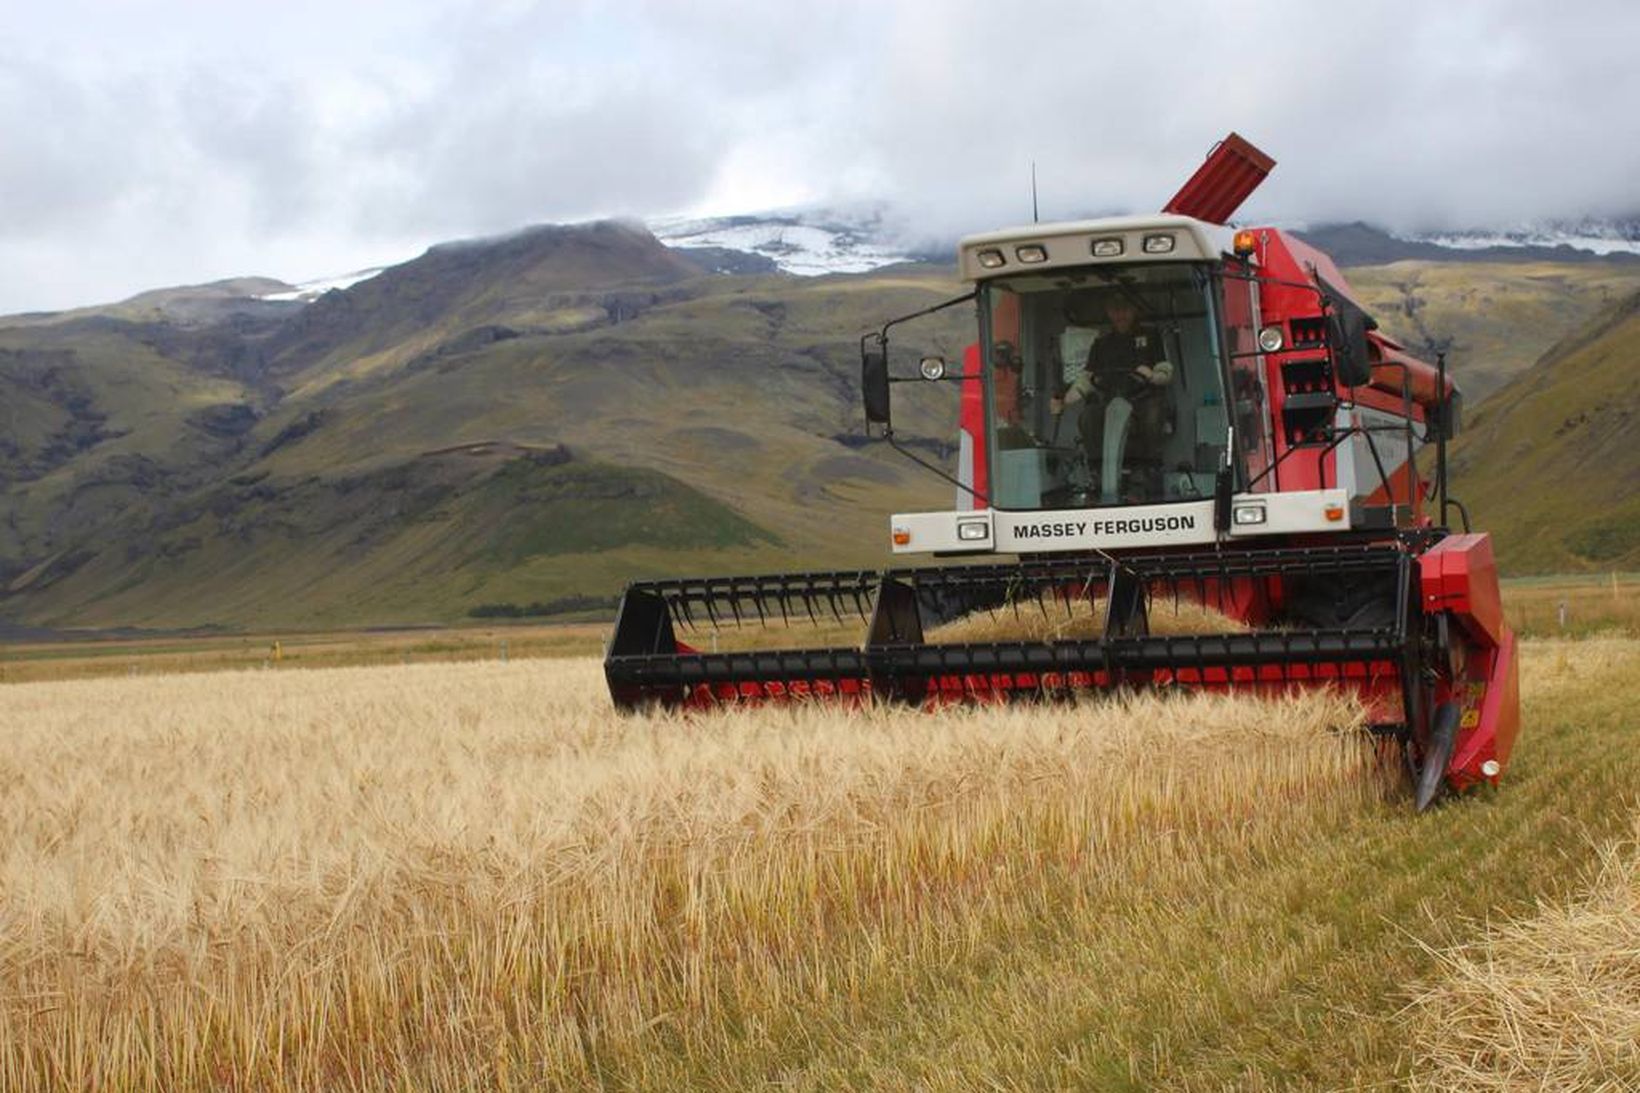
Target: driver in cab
point(1127, 361)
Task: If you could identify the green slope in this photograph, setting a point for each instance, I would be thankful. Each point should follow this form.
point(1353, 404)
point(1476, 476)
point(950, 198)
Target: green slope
point(1495, 318)
point(420, 540)
point(1551, 463)
point(102, 419)
point(196, 441)
point(721, 413)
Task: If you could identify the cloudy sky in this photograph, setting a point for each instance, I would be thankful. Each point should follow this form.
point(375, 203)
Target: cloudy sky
point(157, 142)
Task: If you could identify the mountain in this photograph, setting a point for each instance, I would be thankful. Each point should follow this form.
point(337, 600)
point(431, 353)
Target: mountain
point(1596, 235)
point(808, 242)
point(1551, 463)
point(184, 305)
point(530, 419)
point(1359, 244)
point(1494, 319)
point(856, 239)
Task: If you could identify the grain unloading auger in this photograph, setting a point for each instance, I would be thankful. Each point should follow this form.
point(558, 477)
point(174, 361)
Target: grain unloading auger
point(1157, 412)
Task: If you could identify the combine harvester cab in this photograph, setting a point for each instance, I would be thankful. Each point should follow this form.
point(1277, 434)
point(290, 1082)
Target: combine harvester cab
point(1187, 458)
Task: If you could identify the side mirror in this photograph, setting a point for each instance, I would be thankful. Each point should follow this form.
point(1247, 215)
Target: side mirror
point(874, 384)
point(1224, 486)
point(1347, 338)
point(1445, 418)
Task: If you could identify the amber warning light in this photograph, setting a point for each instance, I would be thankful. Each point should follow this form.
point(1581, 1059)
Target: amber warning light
point(1246, 243)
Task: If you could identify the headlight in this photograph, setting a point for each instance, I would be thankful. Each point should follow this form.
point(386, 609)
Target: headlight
point(991, 259)
point(1107, 248)
point(1158, 244)
point(973, 530)
point(1269, 339)
point(932, 368)
point(1031, 253)
point(1249, 514)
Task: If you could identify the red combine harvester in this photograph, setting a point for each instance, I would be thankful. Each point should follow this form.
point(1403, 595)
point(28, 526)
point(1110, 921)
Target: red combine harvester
point(1157, 408)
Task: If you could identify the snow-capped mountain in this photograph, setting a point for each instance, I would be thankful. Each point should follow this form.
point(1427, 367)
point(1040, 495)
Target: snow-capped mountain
point(1597, 236)
point(808, 242)
point(308, 291)
point(821, 240)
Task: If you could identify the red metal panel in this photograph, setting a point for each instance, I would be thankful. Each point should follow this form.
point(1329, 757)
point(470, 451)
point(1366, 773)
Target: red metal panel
point(1459, 575)
point(971, 420)
point(1234, 169)
point(1491, 723)
point(1502, 708)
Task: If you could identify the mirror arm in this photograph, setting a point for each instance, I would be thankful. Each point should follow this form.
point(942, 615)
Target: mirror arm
point(888, 435)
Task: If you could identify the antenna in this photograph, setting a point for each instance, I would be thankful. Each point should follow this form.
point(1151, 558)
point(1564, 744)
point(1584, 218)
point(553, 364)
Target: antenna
point(1035, 219)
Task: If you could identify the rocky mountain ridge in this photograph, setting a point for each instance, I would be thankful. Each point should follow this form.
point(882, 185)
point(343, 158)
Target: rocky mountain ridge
point(521, 419)
point(530, 419)
point(819, 240)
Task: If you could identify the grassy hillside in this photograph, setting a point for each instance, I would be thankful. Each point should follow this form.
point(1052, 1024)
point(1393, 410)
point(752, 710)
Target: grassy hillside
point(1495, 318)
point(293, 463)
point(1551, 463)
point(102, 420)
point(409, 542)
point(356, 481)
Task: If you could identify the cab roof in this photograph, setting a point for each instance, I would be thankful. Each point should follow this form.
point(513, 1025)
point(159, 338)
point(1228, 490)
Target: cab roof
point(1122, 239)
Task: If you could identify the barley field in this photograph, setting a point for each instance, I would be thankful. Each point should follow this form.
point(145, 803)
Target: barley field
point(476, 876)
point(1551, 1001)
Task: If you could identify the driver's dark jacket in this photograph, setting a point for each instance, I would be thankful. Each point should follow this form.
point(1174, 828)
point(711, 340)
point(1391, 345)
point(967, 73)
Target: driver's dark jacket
point(1114, 356)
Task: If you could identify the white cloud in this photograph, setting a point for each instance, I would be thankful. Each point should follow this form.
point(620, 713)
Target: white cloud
point(165, 141)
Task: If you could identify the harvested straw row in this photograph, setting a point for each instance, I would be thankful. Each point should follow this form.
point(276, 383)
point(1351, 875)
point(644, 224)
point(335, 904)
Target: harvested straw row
point(1548, 1002)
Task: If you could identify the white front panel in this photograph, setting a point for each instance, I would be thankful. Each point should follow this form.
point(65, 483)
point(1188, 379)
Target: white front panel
point(1136, 527)
point(1286, 513)
point(1106, 528)
point(965, 470)
point(939, 533)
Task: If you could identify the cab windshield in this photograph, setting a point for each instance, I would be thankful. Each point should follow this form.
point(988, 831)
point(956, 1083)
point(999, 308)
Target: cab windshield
point(1103, 387)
